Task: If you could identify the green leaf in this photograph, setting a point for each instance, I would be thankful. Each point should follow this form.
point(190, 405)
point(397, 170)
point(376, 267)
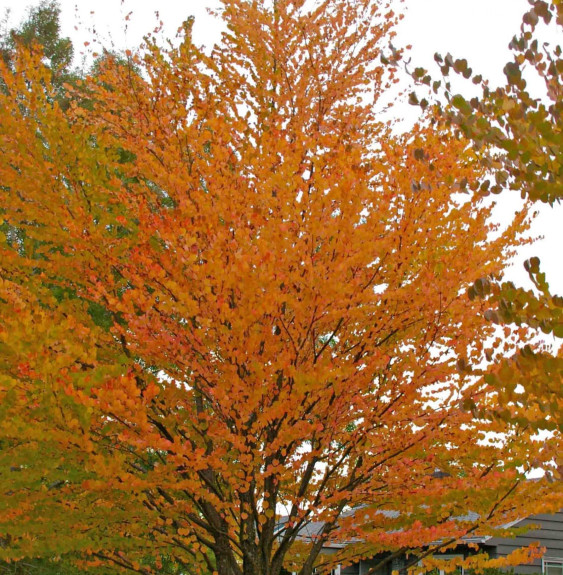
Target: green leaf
point(513, 73)
point(459, 102)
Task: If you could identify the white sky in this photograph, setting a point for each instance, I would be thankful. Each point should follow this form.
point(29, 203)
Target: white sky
point(478, 30)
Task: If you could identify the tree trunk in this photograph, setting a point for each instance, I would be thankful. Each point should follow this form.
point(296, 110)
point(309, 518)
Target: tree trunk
point(224, 564)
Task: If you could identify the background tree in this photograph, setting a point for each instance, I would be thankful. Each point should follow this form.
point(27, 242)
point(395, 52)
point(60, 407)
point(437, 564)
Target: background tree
point(283, 283)
point(42, 29)
point(518, 136)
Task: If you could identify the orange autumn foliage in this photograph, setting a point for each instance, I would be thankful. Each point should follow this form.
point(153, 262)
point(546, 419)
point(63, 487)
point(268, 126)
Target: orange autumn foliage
point(229, 292)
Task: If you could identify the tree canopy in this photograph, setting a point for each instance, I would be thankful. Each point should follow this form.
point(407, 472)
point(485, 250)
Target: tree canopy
point(516, 131)
point(234, 302)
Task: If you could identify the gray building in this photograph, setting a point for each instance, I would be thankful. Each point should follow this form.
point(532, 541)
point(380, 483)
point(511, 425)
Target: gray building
point(548, 533)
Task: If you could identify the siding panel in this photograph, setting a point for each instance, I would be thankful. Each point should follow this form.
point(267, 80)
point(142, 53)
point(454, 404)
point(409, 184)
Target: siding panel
point(550, 536)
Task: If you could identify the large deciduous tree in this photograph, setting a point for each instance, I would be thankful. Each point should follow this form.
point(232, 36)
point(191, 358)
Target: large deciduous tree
point(235, 294)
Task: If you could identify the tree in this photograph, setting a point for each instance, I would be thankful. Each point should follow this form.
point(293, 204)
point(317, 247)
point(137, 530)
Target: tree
point(239, 292)
point(518, 138)
point(42, 29)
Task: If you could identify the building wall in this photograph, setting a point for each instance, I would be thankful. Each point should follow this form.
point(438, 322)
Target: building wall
point(367, 564)
point(549, 536)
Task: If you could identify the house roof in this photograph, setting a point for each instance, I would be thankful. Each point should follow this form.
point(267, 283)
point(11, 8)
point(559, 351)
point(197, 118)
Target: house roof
point(312, 530)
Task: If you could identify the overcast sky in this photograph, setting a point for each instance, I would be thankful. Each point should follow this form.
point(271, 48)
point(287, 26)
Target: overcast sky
point(478, 30)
